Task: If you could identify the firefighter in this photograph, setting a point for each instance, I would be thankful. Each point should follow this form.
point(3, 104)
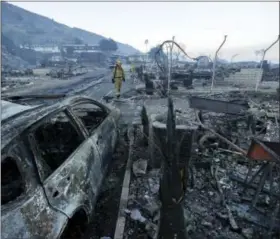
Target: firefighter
point(133, 73)
point(132, 68)
point(118, 77)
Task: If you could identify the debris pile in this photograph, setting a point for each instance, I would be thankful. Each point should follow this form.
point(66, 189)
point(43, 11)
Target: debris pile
point(143, 208)
point(221, 201)
point(221, 204)
point(218, 206)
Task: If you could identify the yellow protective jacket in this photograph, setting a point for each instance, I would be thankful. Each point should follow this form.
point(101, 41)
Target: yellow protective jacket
point(118, 73)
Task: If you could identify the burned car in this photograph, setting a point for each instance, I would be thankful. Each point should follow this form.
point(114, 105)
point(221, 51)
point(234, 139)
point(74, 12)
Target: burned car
point(54, 159)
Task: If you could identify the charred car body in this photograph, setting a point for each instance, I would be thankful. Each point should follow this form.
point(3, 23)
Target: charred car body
point(54, 158)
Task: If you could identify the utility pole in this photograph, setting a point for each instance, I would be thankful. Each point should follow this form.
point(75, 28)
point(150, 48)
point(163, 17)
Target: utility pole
point(215, 62)
point(146, 58)
point(257, 53)
point(264, 52)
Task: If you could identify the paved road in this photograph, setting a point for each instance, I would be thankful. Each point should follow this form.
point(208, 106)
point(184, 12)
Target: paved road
point(56, 86)
point(95, 84)
point(106, 87)
point(130, 110)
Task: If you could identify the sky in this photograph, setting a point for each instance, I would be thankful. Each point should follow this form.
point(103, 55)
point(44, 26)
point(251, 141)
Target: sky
point(199, 26)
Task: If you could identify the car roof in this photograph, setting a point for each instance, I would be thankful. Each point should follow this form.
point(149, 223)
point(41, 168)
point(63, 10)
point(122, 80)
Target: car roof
point(9, 109)
point(22, 117)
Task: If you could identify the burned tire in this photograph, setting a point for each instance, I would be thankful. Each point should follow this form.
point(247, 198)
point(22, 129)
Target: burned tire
point(76, 226)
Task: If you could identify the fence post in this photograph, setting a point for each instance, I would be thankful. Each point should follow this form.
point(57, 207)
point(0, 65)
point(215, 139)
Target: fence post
point(259, 80)
point(215, 62)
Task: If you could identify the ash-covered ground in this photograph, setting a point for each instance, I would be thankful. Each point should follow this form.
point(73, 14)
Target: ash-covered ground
point(217, 204)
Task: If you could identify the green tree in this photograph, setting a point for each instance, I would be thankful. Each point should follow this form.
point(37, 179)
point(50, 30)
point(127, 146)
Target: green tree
point(78, 41)
point(108, 45)
point(70, 50)
point(154, 50)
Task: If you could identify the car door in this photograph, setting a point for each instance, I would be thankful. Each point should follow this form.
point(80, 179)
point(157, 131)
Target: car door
point(25, 211)
point(65, 157)
point(101, 127)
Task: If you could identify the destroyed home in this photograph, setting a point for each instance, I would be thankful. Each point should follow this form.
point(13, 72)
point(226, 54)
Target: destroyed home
point(79, 48)
point(136, 58)
point(42, 48)
point(169, 141)
point(92, 57)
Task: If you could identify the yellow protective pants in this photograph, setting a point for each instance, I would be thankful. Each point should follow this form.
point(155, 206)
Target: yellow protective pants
point(118, 86)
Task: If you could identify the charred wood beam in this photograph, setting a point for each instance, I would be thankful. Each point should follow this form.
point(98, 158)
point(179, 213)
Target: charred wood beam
point(273, 220)
point(221, 137)
point(238, 179)
point(121, 220)
point(218, 106)
point(171, 188)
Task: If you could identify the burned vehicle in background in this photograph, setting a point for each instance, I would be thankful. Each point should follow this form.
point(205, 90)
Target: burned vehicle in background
point(16, 73)
point(67, 72)
point(270, 72)
point(54, 159)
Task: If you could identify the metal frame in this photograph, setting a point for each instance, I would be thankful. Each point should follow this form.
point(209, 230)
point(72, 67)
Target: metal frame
point(270, 156)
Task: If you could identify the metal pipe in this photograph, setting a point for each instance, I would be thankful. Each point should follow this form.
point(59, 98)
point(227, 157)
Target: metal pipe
point(175, 43)
point(215, 61)
point(170, 65)
point(259, 80)
point(233, 58)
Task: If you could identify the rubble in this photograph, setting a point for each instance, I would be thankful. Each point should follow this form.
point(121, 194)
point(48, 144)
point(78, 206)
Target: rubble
point(143, 207)
point(217, 205)
point(230, 165)
point(248, 233)
point(218, 201)
point(139, 167)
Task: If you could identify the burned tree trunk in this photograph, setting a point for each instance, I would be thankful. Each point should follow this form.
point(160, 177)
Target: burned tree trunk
point(145, 124)
point(171, 187)
point(149, 85)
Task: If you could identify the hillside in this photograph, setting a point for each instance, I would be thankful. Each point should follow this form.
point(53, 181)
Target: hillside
point(13, 55)
point(24, 27)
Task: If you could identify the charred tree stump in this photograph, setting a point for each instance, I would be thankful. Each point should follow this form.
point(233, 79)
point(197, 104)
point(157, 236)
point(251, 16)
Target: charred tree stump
point(159, 136)
point(251, 123)
point(185, 138)
point(188, 81)
point(171, 188)
point(145, 124)
point(164, 86)
point(149, 85)
point(200, 116)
